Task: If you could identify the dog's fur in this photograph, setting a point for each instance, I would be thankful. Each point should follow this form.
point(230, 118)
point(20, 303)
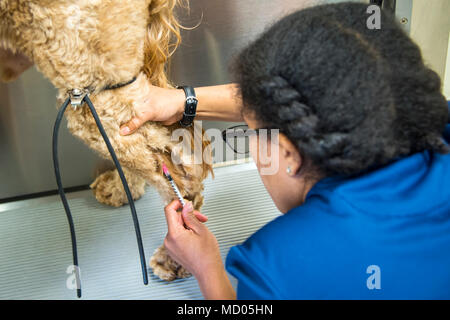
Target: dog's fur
point(93, 44)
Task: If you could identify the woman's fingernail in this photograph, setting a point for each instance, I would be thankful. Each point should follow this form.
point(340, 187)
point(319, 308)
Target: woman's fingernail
point(188, 207)
point(124, 130)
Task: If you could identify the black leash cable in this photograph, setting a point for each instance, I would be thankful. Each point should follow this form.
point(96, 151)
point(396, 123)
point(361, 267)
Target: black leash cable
point(63, 195)
point(64, 199)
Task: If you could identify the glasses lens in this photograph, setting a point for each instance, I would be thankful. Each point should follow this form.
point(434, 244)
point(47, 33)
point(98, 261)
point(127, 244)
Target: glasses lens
point(237, 138)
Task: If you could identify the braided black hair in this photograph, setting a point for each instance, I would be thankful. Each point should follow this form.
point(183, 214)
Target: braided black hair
point(348, 97)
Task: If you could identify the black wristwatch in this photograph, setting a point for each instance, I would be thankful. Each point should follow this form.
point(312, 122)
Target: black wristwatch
point(190, 107)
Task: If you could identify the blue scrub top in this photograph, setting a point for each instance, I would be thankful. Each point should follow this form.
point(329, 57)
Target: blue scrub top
point(381, 235)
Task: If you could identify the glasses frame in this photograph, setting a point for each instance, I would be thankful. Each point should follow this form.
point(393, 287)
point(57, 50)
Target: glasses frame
point(248, 132)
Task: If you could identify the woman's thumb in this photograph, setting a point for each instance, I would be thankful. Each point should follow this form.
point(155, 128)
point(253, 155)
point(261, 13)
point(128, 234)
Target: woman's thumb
point(188, 216)
point(131, 126)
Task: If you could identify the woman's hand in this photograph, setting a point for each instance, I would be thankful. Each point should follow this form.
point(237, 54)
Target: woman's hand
point(191, 244)
point(218, 103)
point(160, 104)
point(188, 240)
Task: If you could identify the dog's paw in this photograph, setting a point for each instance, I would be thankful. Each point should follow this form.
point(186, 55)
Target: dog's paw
point(165, 268)
point(108, 188)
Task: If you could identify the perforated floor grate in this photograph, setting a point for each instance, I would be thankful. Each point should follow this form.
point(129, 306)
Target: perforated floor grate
point(35, 249)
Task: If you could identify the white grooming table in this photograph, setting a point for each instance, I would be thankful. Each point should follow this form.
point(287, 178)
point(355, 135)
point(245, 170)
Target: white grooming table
point(35, 247)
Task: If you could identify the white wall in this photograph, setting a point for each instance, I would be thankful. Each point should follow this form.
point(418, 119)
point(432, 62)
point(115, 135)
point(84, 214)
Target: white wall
point(447, 72)
point(430, 29)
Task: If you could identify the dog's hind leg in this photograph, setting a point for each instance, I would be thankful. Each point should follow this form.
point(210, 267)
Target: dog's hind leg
point(108, 188)
point(162, 264)
point(165, 268)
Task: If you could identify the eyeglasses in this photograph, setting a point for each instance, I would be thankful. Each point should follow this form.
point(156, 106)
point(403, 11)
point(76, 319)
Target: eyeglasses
point(237, 137)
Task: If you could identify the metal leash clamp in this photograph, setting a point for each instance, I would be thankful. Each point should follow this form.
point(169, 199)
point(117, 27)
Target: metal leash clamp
point(77, 97)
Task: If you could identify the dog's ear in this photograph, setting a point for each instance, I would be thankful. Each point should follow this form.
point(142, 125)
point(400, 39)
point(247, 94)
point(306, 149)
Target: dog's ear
point(12, 65)
point(163, 37)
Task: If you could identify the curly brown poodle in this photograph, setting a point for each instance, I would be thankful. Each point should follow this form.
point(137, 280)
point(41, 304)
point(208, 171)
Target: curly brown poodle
point(99, 43)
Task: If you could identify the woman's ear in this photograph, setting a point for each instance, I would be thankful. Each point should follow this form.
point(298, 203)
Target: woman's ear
point(290, 155)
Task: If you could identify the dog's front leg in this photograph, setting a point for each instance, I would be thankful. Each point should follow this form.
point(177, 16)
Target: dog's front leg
point(108, 188)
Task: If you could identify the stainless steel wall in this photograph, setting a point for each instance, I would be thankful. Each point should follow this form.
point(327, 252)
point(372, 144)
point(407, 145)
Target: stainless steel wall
point(28, 106)
point(27, 113)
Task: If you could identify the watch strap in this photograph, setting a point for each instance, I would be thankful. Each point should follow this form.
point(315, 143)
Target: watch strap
point(190, 107)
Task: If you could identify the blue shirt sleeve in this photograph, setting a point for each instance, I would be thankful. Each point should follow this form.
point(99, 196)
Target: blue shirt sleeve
point(253, 283)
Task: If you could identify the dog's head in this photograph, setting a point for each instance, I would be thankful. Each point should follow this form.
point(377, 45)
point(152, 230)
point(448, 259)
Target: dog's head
point(88, 43)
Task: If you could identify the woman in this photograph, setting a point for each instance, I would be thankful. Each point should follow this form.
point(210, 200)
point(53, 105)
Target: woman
point(363, 179)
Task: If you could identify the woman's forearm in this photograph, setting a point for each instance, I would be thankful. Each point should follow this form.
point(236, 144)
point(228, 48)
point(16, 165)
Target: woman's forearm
point(219, 103)
point(216, 286)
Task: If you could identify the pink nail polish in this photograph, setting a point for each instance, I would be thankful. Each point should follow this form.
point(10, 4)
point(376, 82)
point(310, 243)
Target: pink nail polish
point(125, 130)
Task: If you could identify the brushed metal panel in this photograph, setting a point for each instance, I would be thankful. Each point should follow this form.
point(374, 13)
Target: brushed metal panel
point(27, 113)
point(226, 27)
point(220, 30)
point(403, 11)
